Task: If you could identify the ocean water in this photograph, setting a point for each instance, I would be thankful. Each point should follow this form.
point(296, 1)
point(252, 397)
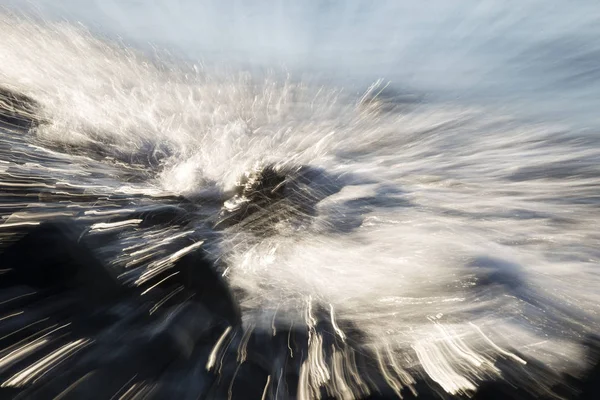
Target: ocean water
point(461, 138)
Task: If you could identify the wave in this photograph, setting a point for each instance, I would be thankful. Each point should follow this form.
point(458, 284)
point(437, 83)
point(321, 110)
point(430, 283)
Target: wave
point(455, 237)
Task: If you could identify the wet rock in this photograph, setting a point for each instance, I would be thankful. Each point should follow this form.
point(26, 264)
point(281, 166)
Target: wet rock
point(18, 110)
point(589, 386)
point(132, 352)
point(242, 381)
point(187, 379)
point(148, 350)
point(163, 214)
point(201, 281)
point(266, 196)
point(22, 322)
point(52, 258)
point(17, 297)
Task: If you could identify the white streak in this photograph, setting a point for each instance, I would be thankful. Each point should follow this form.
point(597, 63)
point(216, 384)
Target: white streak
point(213, 354)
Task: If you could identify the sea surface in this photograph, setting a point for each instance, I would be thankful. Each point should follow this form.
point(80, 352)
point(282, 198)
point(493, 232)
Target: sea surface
point(459, 145)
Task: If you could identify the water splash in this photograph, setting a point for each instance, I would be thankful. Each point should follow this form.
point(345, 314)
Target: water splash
point(456, 234)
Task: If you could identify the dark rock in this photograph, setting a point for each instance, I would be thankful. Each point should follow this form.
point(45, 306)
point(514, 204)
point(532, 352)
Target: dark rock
point(205, 285)
point(590, 384)
point(16, 297)
point(52, 258)
point(268, 195)
point(240, 382)
point(18, 110)
point(164, 214)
